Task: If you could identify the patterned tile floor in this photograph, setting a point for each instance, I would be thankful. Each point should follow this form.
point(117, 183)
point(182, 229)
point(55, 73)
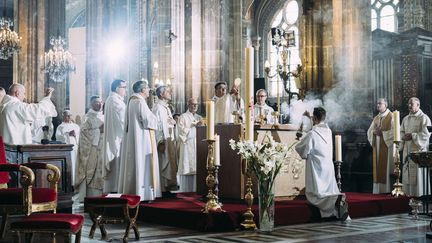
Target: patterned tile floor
point(392, 228)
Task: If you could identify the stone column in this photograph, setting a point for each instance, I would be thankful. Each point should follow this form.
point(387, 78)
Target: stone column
point(256, 44)
point(211, 52)
point(55, 27)
point(94, 30)
point(30, 25)
point(177, 43)
point(193, 55)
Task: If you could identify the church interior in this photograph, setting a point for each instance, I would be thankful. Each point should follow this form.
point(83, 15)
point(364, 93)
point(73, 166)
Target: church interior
point(341, 55)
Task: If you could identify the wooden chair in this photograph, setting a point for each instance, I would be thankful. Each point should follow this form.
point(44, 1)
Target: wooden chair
point(26, 199)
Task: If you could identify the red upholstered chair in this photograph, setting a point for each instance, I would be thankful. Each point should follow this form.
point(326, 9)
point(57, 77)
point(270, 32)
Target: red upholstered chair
point(26, 199)
point(113, 210)
point(65, 224)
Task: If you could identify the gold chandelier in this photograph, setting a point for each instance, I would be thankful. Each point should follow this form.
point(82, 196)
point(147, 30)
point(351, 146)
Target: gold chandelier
point(57, 62)
point(9, 39)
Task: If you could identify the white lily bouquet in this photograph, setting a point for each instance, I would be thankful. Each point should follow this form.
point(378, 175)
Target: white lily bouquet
point(265, 160)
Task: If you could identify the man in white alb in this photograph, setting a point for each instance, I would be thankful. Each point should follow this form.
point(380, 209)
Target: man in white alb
point(262, 111)
point(114, 111)
point(16, 115)
point(415, 137)
point(88, 179)
point(380, 136)
point(321, 187)
point(139, 166)
point(226, 104)
point(68, 132)
point(187, 146)
point(165, 139)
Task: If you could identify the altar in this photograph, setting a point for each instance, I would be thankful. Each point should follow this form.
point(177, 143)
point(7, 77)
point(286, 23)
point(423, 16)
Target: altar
point(290, 181)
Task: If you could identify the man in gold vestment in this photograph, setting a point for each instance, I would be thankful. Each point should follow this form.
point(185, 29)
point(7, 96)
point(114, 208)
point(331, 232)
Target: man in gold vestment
point(380, 136)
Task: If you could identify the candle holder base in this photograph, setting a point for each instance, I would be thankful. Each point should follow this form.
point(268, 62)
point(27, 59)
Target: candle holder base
point(397, 191)
point(212, 205)
point(212, 181)
point(248, 222)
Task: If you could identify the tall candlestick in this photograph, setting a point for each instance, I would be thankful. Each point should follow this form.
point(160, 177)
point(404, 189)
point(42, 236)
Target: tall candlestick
point(338, 142)
point(217, 150)
point(396, 122)
point(249, 96)
point(278, 96)
point(210, 109)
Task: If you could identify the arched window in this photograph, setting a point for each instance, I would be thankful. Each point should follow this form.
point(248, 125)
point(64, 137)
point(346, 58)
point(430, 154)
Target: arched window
point(383, 14)
point(286, 19)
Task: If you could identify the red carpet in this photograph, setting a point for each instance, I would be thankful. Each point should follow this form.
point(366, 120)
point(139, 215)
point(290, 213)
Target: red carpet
point(185, 211)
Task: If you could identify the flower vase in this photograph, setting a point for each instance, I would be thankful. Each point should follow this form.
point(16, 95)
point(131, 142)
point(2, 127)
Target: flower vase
point(266, 208)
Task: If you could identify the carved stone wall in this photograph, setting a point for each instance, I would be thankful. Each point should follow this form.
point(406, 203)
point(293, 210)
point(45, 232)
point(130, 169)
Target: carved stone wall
point(415, 13)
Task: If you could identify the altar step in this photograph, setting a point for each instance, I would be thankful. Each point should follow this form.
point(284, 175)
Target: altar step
point(185, 211)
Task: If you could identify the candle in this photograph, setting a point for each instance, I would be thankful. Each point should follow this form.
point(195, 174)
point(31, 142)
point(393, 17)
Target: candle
point(249, 96)
point(396, 122)
point(338, 142)
point(217, 150)
point(210, 109)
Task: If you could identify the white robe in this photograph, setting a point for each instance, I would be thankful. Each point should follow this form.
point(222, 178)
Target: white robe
point(37, 131)
point(139, 167)
point(88, 178)
point(16, 117)
point(321, 187)
point(264, 110)
point(187, 150)
point(388, 140)
point(225, 106)
point(62, 135)
point(114, 111)
point(412, 175)
point(167, 158)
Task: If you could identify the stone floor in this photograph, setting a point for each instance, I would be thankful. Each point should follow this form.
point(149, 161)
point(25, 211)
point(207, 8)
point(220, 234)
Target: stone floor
point(392, 228)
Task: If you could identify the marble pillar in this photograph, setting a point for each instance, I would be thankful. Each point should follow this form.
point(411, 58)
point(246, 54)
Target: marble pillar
point(30, 17)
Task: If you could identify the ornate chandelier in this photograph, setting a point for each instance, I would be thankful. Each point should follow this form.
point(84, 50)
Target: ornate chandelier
point(57, 62)
point(9, 39)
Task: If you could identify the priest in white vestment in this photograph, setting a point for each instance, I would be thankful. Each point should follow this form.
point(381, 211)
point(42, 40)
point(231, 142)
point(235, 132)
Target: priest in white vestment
point(68, 133)
point(321, 187)
point(165, 139)
point(16, 116)
point(415, 137)
point(226, 104)
point(380, 136)
point(262, 111)
point(187, 146)
point(88, 179)
point(139, 166)
point(114, 111)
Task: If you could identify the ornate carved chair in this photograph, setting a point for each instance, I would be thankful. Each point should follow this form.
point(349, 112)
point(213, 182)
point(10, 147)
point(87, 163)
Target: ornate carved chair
point(27, 199)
